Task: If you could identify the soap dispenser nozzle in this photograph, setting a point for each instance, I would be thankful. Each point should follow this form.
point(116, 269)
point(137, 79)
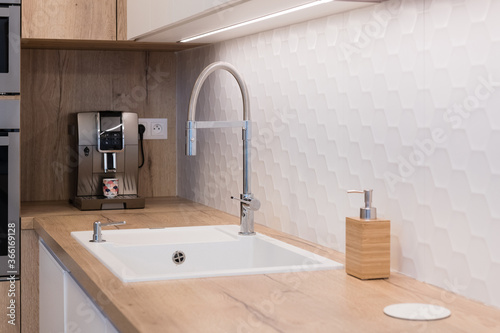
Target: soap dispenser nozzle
point(368, 212)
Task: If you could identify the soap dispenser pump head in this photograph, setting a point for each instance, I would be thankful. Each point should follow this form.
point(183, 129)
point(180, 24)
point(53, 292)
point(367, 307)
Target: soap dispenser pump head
point(368, 212)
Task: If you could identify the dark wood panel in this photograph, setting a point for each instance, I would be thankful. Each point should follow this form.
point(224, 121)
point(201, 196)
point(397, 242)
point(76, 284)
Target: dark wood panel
point(56, 84)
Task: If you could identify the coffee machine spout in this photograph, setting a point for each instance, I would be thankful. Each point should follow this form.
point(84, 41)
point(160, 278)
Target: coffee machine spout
point(109, 162)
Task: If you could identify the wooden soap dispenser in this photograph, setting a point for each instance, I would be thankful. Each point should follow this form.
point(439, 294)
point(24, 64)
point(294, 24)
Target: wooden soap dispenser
point(368, 243)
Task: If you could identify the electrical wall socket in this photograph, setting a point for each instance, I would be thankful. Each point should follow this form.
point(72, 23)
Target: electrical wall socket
point(156, 128)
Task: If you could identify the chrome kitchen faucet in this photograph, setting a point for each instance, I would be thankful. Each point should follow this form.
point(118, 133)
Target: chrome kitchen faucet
point(248, 204)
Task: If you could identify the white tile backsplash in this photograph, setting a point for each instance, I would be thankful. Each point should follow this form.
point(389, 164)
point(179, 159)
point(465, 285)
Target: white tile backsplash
point(402, 97)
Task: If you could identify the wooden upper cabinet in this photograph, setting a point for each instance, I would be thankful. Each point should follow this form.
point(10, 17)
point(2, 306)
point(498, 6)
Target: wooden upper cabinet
point(70, 19)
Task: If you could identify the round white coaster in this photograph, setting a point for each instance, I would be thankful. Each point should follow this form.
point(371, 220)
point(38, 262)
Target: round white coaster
point(417, 311)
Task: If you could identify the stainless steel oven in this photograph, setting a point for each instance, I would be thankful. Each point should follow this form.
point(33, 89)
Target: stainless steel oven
point(9, 188)
point(10, 46)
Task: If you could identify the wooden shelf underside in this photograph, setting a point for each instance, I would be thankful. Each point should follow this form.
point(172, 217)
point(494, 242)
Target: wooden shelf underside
point(71, 44)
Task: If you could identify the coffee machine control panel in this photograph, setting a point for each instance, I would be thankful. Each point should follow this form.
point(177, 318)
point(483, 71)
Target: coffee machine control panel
point(110, 136)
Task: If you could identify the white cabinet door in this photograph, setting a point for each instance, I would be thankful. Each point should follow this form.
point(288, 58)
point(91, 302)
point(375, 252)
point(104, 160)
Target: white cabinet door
point(51, 285)
point(81, 314)
point(64, 306)
point(110, 328)
point(144, 16)
point(174, 20)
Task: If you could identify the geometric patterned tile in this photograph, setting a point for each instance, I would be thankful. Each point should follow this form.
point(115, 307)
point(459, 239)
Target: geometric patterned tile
point(337, 106)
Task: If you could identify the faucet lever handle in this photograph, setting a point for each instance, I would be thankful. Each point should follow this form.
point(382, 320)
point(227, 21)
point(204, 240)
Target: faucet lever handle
point(249, 200)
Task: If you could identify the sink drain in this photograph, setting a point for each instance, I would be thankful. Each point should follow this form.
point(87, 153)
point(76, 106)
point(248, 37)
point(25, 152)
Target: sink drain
point(178, 257)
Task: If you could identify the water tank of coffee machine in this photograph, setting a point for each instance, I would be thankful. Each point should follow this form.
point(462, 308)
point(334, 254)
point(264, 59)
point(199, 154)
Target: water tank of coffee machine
point(107, 150)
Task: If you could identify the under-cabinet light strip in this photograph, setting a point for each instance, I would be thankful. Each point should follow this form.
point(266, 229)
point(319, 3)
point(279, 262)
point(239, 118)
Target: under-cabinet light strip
point(259, 19)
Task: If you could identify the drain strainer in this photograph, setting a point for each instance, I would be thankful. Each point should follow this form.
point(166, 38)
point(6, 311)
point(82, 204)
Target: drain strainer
point(178, 257)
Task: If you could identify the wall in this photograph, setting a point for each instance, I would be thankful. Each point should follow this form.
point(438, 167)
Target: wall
point(56, 84)
point(401, 97)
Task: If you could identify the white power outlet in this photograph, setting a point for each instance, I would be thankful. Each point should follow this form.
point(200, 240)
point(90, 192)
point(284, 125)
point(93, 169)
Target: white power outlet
point(156, 128)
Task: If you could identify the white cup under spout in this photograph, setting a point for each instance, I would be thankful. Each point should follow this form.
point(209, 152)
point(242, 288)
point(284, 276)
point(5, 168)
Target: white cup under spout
point(110, 187)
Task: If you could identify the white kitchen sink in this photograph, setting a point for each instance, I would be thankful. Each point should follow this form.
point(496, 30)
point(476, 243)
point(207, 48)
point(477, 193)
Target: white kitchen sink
point(192, 252)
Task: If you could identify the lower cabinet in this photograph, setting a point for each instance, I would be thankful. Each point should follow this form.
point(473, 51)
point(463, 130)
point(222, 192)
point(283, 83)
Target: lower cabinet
point(64, 306)
point(51, 288)
point(10, 305)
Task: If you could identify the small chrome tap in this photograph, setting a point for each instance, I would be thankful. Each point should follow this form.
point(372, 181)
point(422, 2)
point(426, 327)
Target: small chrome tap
point(97, 236)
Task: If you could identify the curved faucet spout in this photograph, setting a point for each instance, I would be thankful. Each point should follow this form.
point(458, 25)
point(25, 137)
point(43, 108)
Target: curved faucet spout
point(246, 206)
point(203, 76)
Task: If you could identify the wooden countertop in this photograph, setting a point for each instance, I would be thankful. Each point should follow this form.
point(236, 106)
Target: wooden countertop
point(322, 301)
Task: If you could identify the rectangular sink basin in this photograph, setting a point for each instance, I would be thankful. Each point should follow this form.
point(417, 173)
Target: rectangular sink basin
point(192, 252)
